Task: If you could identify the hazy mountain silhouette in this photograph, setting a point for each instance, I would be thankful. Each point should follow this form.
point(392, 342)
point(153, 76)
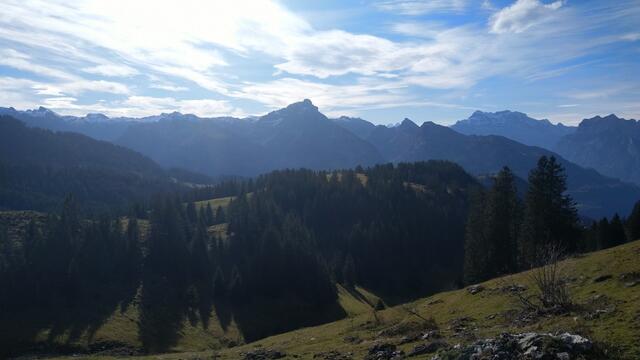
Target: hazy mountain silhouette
point(596, 194)
point(514, 125)
point(300, 136)
point(610, 145)
point(38, 168)
point(296, 136)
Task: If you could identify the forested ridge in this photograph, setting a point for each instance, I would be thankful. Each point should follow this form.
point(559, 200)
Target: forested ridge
point(38, 168)
point(292, 235)
point(280, 246)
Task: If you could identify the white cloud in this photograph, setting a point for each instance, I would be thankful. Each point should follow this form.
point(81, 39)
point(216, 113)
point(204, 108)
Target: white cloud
point(522, 15)
point(421, 7)
point(198, 44)
point(168, 87)
point(175, 35)
point(631, 37)
point(111, 70)
point(63, 81)
point(333, 53)
point(364, 94)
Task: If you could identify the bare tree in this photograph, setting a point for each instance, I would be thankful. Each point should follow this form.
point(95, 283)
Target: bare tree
point(550, 284)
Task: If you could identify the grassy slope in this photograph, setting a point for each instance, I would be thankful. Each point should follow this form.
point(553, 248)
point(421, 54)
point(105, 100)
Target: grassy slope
point(215, 203)
point(121, 327)
point(488, 313)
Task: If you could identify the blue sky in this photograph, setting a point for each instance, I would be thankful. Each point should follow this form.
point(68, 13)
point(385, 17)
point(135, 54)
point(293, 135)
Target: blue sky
point(381, 60)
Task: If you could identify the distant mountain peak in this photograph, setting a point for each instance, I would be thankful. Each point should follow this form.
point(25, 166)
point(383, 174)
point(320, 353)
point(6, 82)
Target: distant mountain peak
point(514, 125)
point(304, 105)
point(408, 124)
point(96, 117)
point(41, 112)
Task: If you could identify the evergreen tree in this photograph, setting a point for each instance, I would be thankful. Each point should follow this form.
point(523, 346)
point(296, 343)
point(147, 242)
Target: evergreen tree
point(476, 247)
point(349, 272)
point(633, 223)
point(502, 224)
point(192, 215)
point(210, 219)
point(220, 217)
point(550, 216)
point(617, 235)
point(133, 257)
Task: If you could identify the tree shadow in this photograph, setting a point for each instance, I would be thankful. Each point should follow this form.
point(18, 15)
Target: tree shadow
point(262, 317)
point(65, 322)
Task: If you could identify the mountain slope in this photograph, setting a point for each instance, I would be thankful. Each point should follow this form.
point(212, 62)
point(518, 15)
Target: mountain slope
point(38, 168)
point(607, 314)
point(596, 195)
point(610, 145)
point(514, 125)
point(462, 317)
point(359, 127)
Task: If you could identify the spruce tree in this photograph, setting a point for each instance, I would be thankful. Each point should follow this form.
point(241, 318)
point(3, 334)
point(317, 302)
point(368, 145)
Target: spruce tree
point(476, 249)
point(502, 224)
point(349, 272)
point(550, 216)
point(633, 223)
point(617, 234)
point(220, 216)
point(210, 219)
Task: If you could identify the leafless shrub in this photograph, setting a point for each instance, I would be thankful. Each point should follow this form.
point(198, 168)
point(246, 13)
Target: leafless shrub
point(551, 292)
point(410, 311)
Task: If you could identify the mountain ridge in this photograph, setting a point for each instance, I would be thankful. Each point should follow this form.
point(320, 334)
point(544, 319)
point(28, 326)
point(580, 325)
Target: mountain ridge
point(299, 135)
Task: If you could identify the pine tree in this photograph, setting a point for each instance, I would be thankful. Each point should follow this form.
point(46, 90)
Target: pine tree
point(617, 235)
point(210, 220)
point(633, 223)
point(220, 216)
point(133, 252)
point(550, 216)
point(502, 224)
point(192, 215)
point(476, 252)
point(349, 272)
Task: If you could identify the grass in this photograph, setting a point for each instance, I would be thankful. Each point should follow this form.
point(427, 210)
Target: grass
point(485, 314)
point(215, 203)
point(120, 329)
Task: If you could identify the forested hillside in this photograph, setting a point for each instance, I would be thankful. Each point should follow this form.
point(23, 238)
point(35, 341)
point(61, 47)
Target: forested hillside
point(38, 168)
point(289, 237)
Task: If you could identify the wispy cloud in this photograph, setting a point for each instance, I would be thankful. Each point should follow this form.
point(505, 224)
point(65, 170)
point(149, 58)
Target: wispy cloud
point(421, 7)
point(73, 52)
point(522, 15)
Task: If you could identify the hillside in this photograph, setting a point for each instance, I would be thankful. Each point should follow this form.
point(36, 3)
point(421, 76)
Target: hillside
point(38, 168)
point(604, 284)
point(291, 242)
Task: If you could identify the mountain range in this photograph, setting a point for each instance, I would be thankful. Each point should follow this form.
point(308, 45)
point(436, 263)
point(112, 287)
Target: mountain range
point(610, 145)
point(300, 136)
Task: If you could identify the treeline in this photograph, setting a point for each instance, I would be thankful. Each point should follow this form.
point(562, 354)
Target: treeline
point(397, 230)
point(283, 243)
point(280, 245)
point(505, 233)
point(68, 260)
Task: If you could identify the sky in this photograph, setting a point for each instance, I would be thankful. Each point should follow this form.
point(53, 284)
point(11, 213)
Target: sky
point(381, 60)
